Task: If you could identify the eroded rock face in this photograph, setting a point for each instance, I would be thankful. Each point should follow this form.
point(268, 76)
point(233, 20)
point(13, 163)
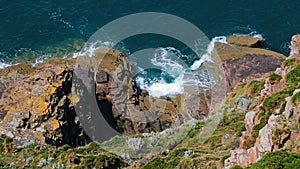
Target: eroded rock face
point(38, 109)
point(132, 109)
point(38, 105)
point(243, 64)
point(262, 145)
point(275, 134)
point(295, 47)
point(13, 74)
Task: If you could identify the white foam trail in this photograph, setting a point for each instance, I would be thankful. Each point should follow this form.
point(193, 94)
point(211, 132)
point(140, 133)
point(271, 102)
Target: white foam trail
point(252, 34)
point(207, 55)
point(90, 48)
point(161, 88)
point(41, 59)
point(168, 60)
point(4, 65)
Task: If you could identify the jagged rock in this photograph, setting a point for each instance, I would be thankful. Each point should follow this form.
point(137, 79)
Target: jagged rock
point(38, 108)
point(262, 145)
point(225, 137)
point(288, 110)
point(248, 41)
point(13, 74)
point(264, 142)
point(249, 120)
point(295, 47)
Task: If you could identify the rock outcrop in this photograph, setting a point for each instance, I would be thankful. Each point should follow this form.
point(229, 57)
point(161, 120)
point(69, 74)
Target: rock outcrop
point(243, 40)
point(243, 64)
point(38, 108)
point(263, 145)
point(295, 47)
point(47, 114)
point(281, 112)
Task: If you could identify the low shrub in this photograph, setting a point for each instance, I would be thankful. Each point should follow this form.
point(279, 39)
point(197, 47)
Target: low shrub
point(278, 160)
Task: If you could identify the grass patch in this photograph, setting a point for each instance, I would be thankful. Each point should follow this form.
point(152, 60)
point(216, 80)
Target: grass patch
point(296, 98)
point(278, 160)
point(170, 162)
point(273, 77)
point(277, 99)
point(255, 86)
point(240, 127)
point(293, 77)
point(290, 62)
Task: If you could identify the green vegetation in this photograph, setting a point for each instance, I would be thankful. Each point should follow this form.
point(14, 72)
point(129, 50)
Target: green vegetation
point(293, 77)
point(169, 162)
point(38, 156)
point(277, 99)
point(296, 98)
point(290, 62)
point(278, 160)
point(224, 158)
point(239, 129)
point(273, 77)
point(255, 87)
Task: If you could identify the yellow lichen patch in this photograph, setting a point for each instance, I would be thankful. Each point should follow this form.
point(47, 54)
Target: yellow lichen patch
point(54, 125)
point(51, 89)
point(40, 106)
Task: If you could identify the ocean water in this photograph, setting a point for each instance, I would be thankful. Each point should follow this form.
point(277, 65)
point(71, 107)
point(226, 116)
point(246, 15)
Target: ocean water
point(38, 30)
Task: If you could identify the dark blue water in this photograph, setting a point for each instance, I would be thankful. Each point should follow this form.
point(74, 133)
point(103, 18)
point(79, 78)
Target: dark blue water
point(51, 25)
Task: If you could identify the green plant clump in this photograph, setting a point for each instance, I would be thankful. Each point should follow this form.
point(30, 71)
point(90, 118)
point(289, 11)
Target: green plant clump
point(273, 77)
point(296, 98)
point(278, 160)
point(290, 62)
point(293, 77)
point(256, 86)
point(276, 100)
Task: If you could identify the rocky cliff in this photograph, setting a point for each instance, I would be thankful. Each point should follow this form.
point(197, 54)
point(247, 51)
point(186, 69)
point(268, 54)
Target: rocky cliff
point(273, 124)
point(37, 106)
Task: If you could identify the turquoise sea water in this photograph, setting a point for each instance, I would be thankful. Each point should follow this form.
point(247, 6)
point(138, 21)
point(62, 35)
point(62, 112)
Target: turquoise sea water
point(48, 25)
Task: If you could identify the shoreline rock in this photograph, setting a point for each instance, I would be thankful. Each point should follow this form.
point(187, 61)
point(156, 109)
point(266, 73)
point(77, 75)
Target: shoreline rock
point(247, 41)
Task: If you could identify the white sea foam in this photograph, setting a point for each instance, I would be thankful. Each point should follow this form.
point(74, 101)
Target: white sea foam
point(89, 49)
point(254, 34)
point(42, 59)
point(4, 65)
point(168, 60)
point(161, 88)
point(207, 56)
